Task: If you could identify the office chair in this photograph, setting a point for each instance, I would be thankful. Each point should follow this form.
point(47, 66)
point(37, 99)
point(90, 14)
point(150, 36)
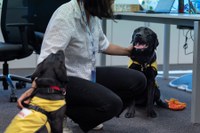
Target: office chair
point(15, 46)
point(39, 13)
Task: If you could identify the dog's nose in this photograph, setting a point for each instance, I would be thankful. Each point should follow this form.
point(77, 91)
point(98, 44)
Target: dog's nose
point(138, 35)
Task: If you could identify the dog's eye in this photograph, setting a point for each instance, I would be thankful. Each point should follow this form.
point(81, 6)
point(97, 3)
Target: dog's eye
point(149, 36)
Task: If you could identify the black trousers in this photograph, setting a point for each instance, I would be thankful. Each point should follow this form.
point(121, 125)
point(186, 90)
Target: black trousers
point(90, 104)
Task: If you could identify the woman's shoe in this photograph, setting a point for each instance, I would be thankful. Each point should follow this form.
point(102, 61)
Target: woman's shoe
point(66, 129)
point(99, 127)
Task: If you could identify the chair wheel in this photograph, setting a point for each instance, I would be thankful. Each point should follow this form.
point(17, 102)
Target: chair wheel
point(20, 85)
point(13, 98)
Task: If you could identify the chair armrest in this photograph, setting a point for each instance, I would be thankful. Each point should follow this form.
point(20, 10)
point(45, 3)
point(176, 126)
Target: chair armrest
point(19, 24)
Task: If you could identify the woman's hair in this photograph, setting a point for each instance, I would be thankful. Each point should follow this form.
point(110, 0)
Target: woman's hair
point(99, 8)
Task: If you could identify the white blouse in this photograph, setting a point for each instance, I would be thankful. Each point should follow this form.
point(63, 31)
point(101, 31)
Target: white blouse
point(66, 30)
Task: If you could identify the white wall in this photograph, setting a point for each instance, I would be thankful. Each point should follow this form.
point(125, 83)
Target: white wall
point(1, 37)
point(126, 2)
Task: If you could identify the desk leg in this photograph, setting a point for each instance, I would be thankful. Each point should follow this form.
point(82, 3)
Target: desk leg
point(195, 107)
point(166, 49)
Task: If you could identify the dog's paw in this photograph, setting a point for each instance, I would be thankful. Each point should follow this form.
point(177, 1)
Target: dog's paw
point(165, 105)
point(152, 114)
point(162, 104)
point(130, 114)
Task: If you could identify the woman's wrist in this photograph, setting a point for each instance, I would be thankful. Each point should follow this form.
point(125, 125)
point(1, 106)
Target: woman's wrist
point(129, 50)
point(34, 83)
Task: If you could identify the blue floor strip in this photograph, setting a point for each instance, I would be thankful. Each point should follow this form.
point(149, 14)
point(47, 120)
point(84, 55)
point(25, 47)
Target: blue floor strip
point(183, 83)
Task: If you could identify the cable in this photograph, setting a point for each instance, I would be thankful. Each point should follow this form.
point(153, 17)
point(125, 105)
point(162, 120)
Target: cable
point(188, 36)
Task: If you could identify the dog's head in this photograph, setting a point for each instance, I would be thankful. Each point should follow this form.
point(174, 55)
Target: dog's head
point(144, 42)
point(51, 71)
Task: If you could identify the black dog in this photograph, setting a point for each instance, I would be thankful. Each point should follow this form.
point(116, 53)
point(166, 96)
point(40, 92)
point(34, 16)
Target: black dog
point(47, 103)
point(51, 80)
point(143, 59)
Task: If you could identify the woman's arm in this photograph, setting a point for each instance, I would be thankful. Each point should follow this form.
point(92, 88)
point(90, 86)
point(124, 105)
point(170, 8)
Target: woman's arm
point(118, 50)
point(26, 94)
point(58, 32)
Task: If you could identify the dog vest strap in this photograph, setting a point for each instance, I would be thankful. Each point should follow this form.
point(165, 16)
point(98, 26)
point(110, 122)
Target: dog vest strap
point(37, 108)
point(154, 65)
point(51, 90)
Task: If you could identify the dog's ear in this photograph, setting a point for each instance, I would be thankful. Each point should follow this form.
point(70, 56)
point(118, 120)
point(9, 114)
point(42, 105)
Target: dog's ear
point(135, 32)
point(41, 67)
point(156, 43)
point(37, 71)
point(132, 39)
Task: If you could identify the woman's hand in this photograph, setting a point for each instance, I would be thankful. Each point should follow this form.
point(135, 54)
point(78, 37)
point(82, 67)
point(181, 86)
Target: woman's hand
point(118, 50)
point(25, 95)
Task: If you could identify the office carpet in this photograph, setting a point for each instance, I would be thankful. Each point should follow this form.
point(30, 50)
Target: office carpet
point(167, 121)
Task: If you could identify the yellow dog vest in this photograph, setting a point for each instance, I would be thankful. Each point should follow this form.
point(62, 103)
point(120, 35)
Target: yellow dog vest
point(154, 65)
point(31, 121)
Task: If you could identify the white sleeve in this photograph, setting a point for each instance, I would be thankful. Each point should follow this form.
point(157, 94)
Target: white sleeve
point(103, 41)
point(58, 33)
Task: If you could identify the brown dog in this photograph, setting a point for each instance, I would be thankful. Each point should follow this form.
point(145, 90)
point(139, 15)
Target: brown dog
point(143, 59)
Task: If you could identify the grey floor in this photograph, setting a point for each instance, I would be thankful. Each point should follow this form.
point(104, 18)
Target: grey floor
point(167, 121)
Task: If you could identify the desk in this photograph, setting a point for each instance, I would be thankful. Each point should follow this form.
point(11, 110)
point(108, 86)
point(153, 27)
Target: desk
point(176, 19)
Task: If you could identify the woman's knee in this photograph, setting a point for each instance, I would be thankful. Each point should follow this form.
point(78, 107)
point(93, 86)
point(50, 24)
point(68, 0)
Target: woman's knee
point(142, 81)
point(137, 80)
point(116, 106)
point(112, 107)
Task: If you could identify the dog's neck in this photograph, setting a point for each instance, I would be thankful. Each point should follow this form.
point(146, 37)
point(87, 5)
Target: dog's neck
point(144, 60)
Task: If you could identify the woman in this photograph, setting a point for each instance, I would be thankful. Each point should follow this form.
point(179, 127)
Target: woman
point(94, 95)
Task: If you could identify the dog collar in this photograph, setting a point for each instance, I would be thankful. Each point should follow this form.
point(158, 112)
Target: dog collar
point(55, 88)
point(51, 90)
point(144, 66)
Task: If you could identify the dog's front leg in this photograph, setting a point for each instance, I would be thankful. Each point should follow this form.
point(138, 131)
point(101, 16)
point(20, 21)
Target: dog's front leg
point(56, 120)
point(131, 110)
point(158, 100)
point(150, 101)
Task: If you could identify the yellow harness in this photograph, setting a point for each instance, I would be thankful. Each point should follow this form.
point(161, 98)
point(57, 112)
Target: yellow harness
point(30, 121)
point(154, 65)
